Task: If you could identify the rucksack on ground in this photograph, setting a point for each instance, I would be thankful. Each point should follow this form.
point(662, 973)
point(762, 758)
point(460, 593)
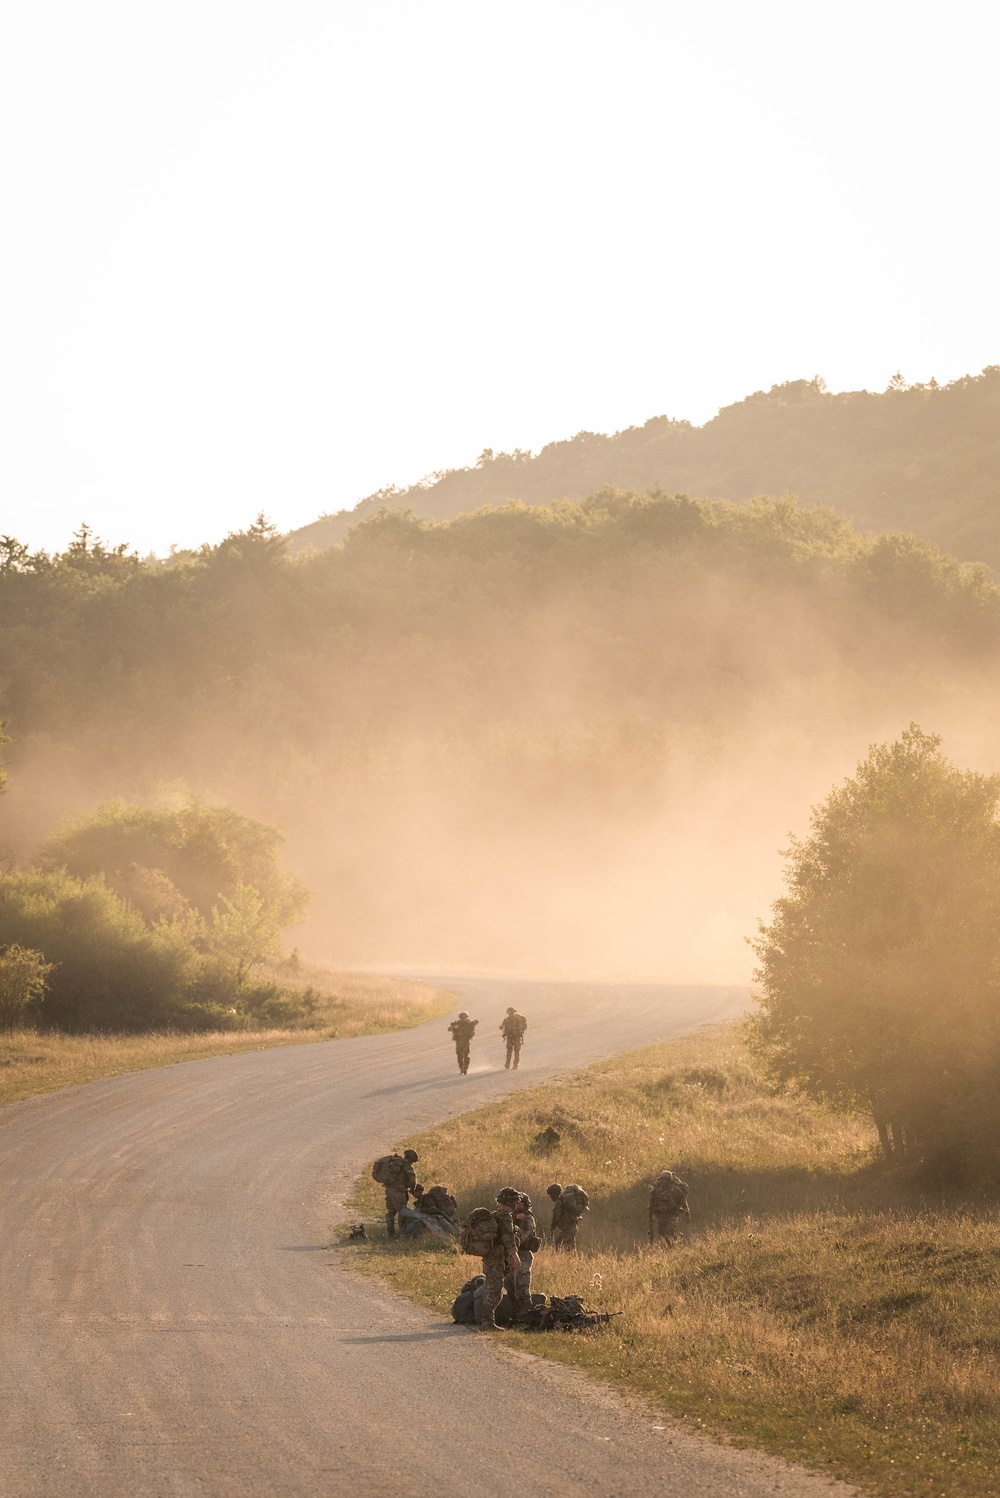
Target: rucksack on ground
point(576, 1198)
point(479, 1235)
point(463, 1310)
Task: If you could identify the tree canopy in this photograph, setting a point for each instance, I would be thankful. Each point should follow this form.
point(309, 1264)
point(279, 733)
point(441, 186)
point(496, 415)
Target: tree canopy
point(879, 978)
point(918, 458)
point(428, 707)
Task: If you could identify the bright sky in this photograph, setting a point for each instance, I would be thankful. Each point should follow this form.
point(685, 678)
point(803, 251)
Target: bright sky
point(275, 254)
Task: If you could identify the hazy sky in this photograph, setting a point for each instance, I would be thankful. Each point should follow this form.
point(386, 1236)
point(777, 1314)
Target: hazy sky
point(275, 255)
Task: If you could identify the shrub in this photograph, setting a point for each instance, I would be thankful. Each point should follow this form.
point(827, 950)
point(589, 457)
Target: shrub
point(22, 983)
point(112, 971)
point(198, 854)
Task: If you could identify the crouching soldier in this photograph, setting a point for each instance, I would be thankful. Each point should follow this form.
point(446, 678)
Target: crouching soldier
point(437, 1202)
point(668, 1203)
point(491, 1237)
point(569, 1204)
point(395, 1174)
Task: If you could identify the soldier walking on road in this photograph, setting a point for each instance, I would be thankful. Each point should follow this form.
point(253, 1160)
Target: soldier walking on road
point(568, 1207)
point(668, 1203)
point(462, 1031)
point(512, 1028)
point(491, 1235)
point(395, 1173)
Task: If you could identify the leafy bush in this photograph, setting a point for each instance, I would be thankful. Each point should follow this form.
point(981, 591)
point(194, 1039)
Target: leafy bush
point(113, 971)
point(880, 972)
point(163, 859)
point(22, 983)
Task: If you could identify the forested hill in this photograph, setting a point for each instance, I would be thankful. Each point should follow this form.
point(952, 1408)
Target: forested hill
point(923, 459)
point(563, 738)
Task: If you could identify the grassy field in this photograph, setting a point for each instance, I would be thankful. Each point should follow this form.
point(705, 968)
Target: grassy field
point(353, 1004)
point(818, 1308)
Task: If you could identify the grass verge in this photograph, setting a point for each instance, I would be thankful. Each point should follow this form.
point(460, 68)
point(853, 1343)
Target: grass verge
point(34, 1061)
point(820, 1308)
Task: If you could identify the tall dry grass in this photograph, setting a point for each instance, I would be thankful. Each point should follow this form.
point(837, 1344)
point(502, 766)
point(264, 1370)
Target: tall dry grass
point(819, 1307)
point(34, 1061)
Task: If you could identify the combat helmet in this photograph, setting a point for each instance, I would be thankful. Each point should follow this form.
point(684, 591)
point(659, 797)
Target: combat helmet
point(463, 1014)
point(411, 1155)
point(553, 1192)
point(508, 1197)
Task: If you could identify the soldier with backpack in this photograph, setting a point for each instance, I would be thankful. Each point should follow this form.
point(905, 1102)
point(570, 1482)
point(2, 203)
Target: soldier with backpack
point(395, 1173)
point(490, 1235)
point(568, 1207)
point(462, 1031)
point(512, 1028)
point(437, 1202)
point(668, 1203)
point(518, 1281)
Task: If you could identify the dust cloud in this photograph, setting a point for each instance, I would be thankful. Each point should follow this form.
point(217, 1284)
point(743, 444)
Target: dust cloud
point(567, 743)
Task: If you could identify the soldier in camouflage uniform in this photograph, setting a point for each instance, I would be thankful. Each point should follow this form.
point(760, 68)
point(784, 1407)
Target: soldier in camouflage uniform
point(668, 1203)
point(517, 1282)
point(568, 1207)
point(396, 1175)
point(437, 1202)
point(462, 1031)
point(512, 1028)
point(502, 1259)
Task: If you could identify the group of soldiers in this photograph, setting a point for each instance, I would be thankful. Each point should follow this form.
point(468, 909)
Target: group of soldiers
point(506, 1236)
point(512, 1028)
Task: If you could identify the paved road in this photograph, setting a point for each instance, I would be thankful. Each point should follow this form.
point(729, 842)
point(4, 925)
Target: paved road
point(173, 1323)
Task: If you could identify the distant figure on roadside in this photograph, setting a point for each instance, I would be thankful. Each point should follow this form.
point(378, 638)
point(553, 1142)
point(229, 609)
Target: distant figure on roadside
point(512, 1028)
point(395, 1173)
point(568, 1207)
point(490, 1235)
point(462, 1031)
point(668, 1203)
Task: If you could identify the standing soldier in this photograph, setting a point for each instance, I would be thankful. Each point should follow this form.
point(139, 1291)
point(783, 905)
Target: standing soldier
point(568, 1208)
point(491, 1235)
point(517, 1282)
point(395, 1173)
point(462, 1031)
point(512, 1028)
point(668, 1203)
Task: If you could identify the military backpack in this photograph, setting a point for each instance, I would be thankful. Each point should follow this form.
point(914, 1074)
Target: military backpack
point(576, 1199)
point(388, 1170)
point(669, 1194)
point(479, 1235)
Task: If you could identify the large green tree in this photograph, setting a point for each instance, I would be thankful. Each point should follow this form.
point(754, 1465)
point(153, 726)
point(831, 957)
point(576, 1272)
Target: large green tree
point(879, 977)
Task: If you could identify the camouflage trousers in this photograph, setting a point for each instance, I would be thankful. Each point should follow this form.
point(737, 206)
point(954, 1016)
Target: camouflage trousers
point(564, 1236)
point(664, 1225)
point(495, 1270)
point(513, 1051)
point(462, 1051)
point(395, 1201)
point(517, 1283)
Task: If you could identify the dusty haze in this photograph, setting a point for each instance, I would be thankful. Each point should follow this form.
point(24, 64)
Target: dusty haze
point(566, 741)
